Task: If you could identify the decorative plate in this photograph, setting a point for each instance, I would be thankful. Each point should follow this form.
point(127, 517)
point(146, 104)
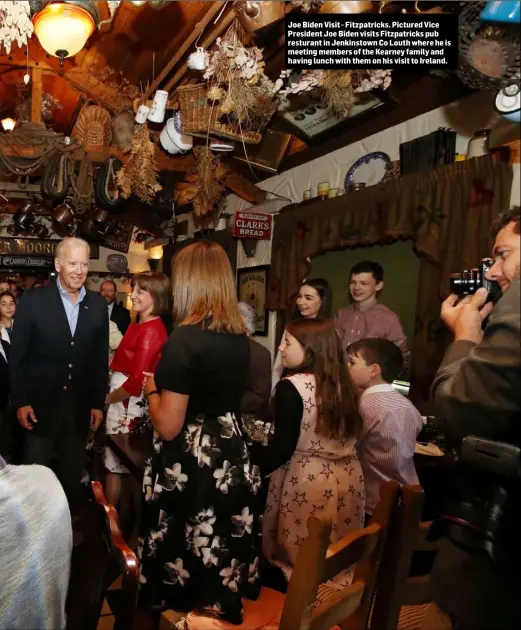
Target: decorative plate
point(370, 169)
point(117, 263)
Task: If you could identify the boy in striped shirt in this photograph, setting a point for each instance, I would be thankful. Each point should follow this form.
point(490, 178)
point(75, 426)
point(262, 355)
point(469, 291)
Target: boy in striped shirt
point(391, 423)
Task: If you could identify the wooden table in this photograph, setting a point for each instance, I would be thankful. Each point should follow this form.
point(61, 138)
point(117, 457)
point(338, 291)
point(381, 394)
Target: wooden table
point(133, 449)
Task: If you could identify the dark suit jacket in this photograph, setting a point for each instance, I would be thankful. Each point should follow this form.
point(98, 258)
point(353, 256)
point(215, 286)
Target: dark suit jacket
point(121, 317)
point(46, 361)
point(4, 376)
point(258, 385)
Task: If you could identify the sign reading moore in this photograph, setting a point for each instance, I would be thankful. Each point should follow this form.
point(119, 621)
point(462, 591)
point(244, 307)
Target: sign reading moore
point(35, 247)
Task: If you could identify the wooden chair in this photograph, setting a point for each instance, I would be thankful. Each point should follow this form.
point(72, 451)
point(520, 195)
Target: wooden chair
point(402, 601)
point(97, 563)
point(318, 562)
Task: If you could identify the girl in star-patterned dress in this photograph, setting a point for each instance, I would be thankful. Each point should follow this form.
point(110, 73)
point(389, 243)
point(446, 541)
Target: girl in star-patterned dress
point(316, 407)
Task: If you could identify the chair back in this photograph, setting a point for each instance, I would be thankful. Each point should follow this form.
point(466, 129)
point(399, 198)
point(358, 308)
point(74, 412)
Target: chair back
point(318, 562)
point(97, 563)
point(394, 587)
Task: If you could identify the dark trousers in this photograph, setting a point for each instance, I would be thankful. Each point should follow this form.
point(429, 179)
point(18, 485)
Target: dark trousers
point(62, 449)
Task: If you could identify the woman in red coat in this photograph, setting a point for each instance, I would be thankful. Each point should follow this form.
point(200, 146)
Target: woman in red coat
point(138, 352)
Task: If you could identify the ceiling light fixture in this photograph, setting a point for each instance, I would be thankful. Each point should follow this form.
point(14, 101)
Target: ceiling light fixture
point(63, 28)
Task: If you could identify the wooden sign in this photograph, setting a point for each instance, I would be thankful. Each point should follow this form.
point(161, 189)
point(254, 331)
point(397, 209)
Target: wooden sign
point(119, 239)
point(252, 225)
point(36, 247)
point(26, 262)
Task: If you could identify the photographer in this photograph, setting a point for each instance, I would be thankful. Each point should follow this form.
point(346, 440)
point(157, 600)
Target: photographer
point(476, 577)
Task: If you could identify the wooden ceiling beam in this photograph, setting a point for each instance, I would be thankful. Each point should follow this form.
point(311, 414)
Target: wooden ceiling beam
point(199, 28)
point(220, 27)
point(242, 187)
point(36, 95)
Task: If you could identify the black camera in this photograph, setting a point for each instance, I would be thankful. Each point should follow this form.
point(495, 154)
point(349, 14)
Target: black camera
point(482, 511)
point(468, 281)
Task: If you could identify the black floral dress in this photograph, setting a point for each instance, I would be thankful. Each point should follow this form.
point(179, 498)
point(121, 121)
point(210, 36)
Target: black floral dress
point(201, 517)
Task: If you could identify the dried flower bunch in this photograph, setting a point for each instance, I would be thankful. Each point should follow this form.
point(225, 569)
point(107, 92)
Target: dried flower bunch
point(50, 105)
point(207, 188)
point(339, 87)
point(116, 80)
point(15, 24)
point(140, 175)
point(237, 81)
point(231, 60)
point(307, 5)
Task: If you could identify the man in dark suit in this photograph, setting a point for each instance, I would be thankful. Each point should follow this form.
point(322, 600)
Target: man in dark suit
point(118, 314)
point(59, 367)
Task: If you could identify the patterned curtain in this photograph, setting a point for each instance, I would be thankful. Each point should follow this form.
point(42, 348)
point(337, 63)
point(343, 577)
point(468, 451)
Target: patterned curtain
point(447, 212)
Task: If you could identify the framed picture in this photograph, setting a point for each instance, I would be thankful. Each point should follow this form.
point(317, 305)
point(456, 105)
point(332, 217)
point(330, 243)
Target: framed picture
point(252, 286)
point(307, 118)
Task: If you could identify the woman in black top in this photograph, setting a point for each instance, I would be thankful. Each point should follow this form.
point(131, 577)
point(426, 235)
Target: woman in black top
point(200, 521)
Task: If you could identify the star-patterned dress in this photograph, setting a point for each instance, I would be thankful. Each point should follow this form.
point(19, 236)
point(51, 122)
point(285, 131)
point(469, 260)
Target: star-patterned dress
point(323, 477)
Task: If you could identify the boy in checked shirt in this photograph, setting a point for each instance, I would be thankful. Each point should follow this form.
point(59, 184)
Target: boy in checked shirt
point(391, 422)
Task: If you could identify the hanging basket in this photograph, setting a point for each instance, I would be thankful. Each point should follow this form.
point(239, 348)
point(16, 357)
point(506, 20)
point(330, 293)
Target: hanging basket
point(93, 128)
point(199, 116)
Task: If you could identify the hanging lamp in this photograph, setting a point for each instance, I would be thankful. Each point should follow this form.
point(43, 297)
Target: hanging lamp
point(63, 28)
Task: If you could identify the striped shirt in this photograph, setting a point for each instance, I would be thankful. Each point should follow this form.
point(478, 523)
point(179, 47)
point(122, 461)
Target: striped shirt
point(386, 447)
point(354, 323)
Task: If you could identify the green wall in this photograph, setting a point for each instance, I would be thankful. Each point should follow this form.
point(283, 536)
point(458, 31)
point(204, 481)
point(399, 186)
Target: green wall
point(401, 268)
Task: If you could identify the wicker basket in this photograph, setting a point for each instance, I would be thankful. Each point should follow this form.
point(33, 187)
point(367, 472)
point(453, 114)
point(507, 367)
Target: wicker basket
point(200, 116)
point(93, 127)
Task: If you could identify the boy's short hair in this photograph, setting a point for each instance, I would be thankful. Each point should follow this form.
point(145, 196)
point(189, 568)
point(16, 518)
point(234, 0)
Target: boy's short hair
point(381, 352)
point(368, 266)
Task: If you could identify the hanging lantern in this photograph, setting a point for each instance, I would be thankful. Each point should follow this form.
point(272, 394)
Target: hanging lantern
point(63, 28)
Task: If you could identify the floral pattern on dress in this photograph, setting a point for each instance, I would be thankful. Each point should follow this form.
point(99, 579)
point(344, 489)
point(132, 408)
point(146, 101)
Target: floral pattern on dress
point(128, 416)
point(205, 485)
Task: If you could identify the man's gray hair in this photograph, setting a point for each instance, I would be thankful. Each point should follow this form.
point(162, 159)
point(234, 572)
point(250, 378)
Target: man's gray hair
point(249, 316)
point(70, 241)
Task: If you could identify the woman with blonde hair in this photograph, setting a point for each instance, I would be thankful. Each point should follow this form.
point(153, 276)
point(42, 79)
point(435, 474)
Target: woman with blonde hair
point(138, 352)
point(200, 519)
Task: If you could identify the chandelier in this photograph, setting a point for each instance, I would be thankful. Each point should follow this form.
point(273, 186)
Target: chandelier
point(63, 27)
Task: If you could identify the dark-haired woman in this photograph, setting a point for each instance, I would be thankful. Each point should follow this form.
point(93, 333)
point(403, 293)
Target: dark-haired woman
point(314, 299)
point(316, 423)
point(138, 352)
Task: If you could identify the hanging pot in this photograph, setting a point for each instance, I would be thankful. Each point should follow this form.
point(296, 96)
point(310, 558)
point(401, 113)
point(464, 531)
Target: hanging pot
point(255, 15)
point(24, 218)
point(347, 6)
point(62, 215)
point(40, 230)
point(102, 218)
point(89, 230)
point(172, 139)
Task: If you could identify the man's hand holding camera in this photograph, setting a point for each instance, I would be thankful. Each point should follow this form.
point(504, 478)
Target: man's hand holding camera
point(465, 318)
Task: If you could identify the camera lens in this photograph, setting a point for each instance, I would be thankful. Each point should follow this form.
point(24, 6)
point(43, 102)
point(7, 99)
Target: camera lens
point(465, 283)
